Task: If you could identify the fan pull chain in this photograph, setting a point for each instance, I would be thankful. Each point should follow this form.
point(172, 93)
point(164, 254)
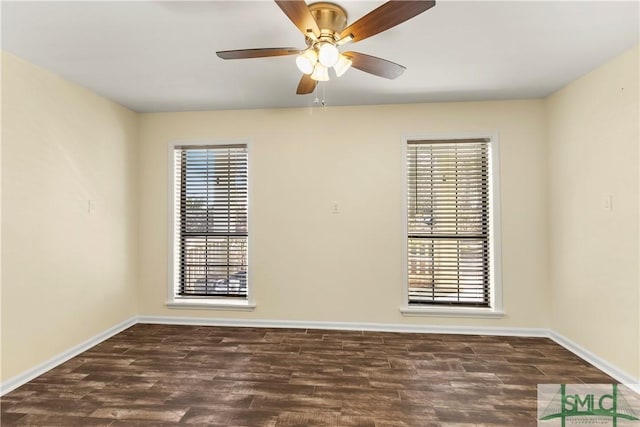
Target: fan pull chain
point(317, 100)
point(324, 103)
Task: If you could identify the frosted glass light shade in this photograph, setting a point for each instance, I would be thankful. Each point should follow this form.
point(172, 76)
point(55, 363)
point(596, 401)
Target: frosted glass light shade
point(328, 55)
point(306, 61)
point(342, 65)
point(320, 73)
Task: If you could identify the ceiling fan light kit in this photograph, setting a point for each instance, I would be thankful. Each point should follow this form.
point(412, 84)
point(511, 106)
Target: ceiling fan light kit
point(324, 26)
point(306, 61)
point(328, 54)
point(342, 65)
point(320, 73)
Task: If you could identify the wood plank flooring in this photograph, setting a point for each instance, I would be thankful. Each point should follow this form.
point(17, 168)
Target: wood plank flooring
point(159, 375)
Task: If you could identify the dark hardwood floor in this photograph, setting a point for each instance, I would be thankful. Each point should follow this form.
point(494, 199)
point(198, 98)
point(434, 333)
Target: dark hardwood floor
point(158, 375)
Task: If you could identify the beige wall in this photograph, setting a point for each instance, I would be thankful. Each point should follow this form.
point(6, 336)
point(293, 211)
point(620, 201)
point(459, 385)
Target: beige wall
point(67, 274)
point(593, 141)
point(311, 265)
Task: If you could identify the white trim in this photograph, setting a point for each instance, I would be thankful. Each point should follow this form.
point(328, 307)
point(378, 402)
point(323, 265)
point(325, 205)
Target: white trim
point(581, 352)
point(172, 301)
point(212, 304)
point(171, 224)
point(349, 326)
point(495, 226)
point(28, 375)
point(597, 361)
point(404, 300)
point(496, 309)
point(451, 312)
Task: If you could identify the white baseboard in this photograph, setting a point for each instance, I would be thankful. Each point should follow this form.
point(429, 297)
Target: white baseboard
point(581, 352)
point(606, 367)
point(349, 326)
point(23, 378)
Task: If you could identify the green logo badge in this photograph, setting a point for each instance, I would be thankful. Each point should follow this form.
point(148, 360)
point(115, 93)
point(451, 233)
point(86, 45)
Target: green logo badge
point(592, 404)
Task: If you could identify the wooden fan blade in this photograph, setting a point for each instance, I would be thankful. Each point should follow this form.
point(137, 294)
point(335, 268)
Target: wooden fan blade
point(306, 85)
point(298, 12)
point(376, 66)
point(257, 53)
point(387, 16)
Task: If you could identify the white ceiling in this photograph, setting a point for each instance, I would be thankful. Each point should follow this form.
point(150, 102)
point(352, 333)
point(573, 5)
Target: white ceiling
point(160, 55)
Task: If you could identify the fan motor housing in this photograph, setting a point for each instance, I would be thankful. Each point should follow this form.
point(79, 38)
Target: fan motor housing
point(329, 16)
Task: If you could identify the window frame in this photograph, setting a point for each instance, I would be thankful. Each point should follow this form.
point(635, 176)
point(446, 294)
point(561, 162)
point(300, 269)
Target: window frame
point(202, 302)
point(495, 308)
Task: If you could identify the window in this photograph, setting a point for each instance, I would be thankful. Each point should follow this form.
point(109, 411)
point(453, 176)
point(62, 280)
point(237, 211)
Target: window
point(210, 225)
point(449, 226)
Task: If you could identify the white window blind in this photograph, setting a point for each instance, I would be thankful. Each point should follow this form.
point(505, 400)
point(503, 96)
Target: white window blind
point(448, 222)
point(211, 220)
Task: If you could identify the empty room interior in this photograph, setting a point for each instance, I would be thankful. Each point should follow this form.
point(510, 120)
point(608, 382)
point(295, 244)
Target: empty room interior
point(288, 213)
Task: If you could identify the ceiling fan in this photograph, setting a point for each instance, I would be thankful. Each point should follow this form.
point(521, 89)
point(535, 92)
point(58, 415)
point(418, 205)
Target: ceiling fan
point(324, 26)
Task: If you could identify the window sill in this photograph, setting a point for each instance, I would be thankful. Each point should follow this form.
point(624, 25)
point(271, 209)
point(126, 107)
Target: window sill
point(212, 304)
point(451, 312)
